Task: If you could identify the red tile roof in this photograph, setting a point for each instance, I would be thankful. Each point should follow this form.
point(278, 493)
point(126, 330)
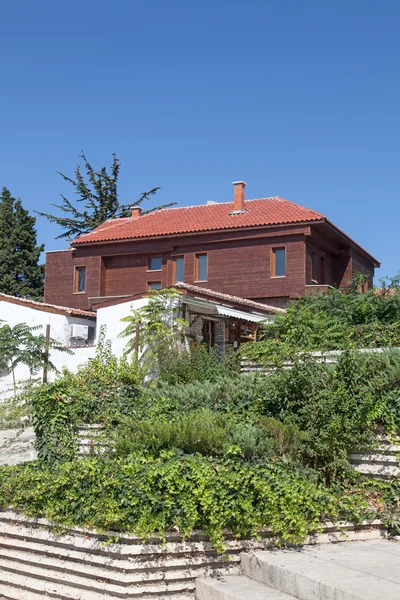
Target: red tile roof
point(52, 308)
point(205, 217)
point(195, 289)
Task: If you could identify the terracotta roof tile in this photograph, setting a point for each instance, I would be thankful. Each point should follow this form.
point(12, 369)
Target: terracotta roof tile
point(53, 308)
point(228, 298)
point(205, 217)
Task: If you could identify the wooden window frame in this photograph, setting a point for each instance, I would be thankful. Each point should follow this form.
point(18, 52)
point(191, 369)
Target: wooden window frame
point(196, 267)
point(322, 269)
point(273, 262)
point(174, 258)
point(314, 266)
point(149, 270)
point(149, 284)
point(76, 279)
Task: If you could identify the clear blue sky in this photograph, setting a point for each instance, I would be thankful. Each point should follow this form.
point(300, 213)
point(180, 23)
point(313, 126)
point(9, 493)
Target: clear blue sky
point(300, 98)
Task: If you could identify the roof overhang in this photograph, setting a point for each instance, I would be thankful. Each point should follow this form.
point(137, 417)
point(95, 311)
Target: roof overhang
point(212, 309)
point(242, 315)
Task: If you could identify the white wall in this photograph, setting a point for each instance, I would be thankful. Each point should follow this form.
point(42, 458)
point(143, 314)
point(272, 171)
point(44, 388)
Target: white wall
point(111, 316)
point(13, 314)
point(59, 330)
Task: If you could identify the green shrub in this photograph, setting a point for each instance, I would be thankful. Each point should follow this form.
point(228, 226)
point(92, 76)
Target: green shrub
point(240, 395)
point(209, 433)
point(146, 495)
point(199, 364)
point(199, 431)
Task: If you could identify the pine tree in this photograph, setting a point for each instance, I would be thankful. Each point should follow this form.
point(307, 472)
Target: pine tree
point(20, 272)
point(99, 198)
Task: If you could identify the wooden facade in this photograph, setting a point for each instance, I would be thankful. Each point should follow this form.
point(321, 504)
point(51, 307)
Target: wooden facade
point(239, 262)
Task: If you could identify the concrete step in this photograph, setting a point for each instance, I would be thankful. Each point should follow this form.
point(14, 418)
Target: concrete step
point(375, 458)
point(80, 571)
point(378, 471)
point(124, 548)
point(28, 551)
point(23, 582)
point(237, 587)
point(347, 571)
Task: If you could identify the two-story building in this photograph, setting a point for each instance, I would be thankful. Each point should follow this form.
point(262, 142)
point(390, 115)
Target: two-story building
point(269, 250)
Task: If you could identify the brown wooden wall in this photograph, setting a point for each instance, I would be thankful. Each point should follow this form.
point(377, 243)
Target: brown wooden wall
point(239, 263)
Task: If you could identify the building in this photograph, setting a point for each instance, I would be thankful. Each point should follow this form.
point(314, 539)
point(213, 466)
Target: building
point(269, 250)
point(70, 327)
point(213, 318)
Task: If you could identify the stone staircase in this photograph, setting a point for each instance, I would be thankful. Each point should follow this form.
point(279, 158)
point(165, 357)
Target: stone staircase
point(381, 463)
point(36, 561)
point(348, 571)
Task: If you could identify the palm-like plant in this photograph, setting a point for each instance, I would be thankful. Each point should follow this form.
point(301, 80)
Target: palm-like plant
point(156, 328)
point(20, 345)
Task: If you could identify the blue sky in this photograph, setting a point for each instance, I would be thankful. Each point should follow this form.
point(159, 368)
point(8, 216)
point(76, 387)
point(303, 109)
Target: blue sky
point(300, 98)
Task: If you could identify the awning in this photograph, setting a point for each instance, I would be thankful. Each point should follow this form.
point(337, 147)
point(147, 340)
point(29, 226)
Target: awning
point(245, 316)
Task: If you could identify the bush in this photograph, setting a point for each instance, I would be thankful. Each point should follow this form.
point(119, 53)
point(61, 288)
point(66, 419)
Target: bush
point(199, 364)
point(239, 395)
point(199, 431)
point(208, 433)
point(146, 495)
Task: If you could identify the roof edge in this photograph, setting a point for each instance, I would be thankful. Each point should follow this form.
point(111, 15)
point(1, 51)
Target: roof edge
point(51, 308)
point(202, 232)
point(376, 262)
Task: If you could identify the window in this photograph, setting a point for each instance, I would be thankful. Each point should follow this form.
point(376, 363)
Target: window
point(278, 262)
point(154, 285)
point(80, 280)
point(314, 266)
point(155, 263)
point(201, 267)
point(322, 278)
point(179, 268)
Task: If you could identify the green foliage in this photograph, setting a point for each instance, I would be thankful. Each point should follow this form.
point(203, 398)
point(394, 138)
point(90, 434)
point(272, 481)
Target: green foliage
point(159, 327)
point(338, 406)
point(56, 431)
point(332, 321)
point(145, 495)
point(99, 200)
point(239, 395)
point(21, 345)
point(199, 364)
point(20, 272)
point(102, 391)
point(209, 433)
point(199, 431)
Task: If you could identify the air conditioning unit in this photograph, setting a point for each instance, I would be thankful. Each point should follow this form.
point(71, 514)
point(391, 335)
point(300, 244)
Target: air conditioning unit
point(79, 332)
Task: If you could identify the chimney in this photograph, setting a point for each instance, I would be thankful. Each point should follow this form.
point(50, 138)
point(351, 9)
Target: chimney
point(136, 212)
point(238, 195)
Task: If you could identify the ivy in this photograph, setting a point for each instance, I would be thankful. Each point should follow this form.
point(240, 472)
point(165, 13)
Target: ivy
point(143, 496)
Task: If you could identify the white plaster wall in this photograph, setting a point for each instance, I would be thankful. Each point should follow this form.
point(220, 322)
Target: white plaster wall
point(111, 316)
point(12, 314)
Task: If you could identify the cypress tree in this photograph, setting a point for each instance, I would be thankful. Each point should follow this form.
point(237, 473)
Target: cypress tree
point(20, 272)
point(98, 200)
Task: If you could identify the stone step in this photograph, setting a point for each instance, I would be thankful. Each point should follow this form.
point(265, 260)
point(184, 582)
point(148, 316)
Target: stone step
point(68, 590)
point(98, 544)
point(43, 551)
point(374, 458)
point(237, 587)
point(15, 590)
point(378, 471)
point(66, 569)
point(348, 571)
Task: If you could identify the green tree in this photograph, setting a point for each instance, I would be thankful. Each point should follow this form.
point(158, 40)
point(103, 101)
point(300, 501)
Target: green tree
point(157, 328)
point(20, 272)
point(22, 345)
point(98, 198)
